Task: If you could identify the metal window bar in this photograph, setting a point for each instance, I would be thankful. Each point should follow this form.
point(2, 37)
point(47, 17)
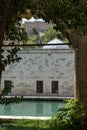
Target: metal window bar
point(23, 45)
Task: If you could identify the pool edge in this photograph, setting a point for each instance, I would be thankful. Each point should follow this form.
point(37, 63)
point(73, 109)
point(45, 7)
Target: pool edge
point(25, 117)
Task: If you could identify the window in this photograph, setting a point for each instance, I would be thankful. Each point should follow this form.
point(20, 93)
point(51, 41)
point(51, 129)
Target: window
point(54, 86)
point(39, 86)
point(7, 85)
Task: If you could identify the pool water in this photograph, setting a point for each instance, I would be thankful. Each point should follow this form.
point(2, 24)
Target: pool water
point(31, 108)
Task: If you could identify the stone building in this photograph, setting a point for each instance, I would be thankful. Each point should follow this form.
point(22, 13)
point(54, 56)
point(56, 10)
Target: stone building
point(42, 72)
point(40, 25)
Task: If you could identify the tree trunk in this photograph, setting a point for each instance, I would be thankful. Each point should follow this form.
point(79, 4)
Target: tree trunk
point(81, 71)
point(3, 22)
point(80, 46)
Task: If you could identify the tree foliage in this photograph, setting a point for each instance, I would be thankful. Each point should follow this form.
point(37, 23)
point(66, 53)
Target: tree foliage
point(50, 35)
point(70, 117)
point(68, 15)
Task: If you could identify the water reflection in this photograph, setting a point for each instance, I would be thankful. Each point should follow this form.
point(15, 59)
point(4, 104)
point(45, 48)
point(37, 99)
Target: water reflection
point(7, 109)
point(32, 108)
point(39, 109)
point(54, 108)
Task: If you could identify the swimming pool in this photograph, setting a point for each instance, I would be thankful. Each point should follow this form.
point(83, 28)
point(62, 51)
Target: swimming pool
point(31, 108)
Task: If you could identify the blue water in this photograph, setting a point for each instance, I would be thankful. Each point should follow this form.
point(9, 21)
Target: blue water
point(31, 108)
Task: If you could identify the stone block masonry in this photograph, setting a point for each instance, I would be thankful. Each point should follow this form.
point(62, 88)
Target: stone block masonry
point(42, 72)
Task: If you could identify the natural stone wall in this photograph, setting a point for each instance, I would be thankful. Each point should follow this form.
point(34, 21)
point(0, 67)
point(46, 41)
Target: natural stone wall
point(42, 65)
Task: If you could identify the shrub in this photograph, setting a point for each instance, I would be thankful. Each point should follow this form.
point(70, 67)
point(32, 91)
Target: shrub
point(70, 117)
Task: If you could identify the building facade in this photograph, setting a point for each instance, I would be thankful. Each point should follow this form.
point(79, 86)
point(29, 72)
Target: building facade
point(42, 72)
point(39, 26)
